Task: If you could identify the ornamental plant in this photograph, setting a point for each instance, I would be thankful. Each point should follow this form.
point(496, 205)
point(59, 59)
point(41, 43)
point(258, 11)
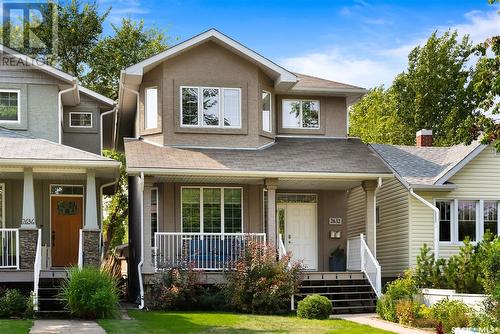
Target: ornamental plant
point(314, 307)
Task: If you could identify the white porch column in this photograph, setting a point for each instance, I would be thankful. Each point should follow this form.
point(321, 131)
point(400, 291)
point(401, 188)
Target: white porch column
point(28, 218)
point(271, 186)
point(90, 202)
point(370, 188)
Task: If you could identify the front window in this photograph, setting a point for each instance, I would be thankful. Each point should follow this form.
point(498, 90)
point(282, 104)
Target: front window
point(212, 210)
point(444, 220)
point(151, 108)
point(491, 217)
point(467, 220)
point(80, 119)
point(211, 107)
point(9, 105)
point(266, 111)
point(154, 214)
point(300, 114)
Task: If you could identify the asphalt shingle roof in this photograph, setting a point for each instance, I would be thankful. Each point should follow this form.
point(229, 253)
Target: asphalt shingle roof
point(423, 165)
point(14, 145)
point(308, 81)
point(286, 155)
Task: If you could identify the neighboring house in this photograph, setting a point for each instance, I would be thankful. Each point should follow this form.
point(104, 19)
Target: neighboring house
point(228, 146)
point(461, 182)
point(51, 172)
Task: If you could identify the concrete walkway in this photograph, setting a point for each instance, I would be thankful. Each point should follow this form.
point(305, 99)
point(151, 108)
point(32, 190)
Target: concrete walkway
point(66, 327)
point(371, 319)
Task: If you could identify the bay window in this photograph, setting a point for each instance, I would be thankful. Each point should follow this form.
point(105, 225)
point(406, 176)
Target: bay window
point(467, 220)
point(211, 210)
point(300, 114)
point(210, 107)
point(266, 111)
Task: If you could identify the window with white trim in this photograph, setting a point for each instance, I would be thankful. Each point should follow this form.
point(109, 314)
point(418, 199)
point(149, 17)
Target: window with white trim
point(467, 219)
point(444, 220)
point(154, 214)
point(211, 210)
point(300, 114)
point(266, 112)
point(2, 205)
point(9, 105)
point(151, 108)
point(490, 220)
point(80, 119)
point(218, 107)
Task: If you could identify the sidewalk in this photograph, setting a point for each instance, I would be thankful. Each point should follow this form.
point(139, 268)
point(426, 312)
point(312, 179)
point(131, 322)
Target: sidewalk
point(66, 327)
point(371, 319)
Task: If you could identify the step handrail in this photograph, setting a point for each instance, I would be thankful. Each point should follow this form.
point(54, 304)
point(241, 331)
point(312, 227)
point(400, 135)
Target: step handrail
point(37, 267)
point(367, 257)
point(281, 247)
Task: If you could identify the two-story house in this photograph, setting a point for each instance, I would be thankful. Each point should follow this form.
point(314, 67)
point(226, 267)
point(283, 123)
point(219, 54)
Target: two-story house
point(226, 146)
point(52, 173)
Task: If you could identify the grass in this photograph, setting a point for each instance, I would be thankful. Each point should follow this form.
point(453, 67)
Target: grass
point(8, 326)
point(218, 322)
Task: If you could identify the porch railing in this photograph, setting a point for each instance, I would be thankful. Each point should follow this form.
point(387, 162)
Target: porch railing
point(9, 248)
point(37, 267)
point(80, 249)
point(359, 257)
point(201, 251)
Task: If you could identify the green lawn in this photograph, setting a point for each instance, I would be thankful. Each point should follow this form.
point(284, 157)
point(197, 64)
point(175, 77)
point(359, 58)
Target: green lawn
point(15, 326)
point(206, 322)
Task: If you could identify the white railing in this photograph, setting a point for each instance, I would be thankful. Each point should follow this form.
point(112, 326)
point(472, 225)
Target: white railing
point(359, 257)
point(201, 251)
point(281, 247)
point(36, 269)
point(80, 250)
point(9, 248)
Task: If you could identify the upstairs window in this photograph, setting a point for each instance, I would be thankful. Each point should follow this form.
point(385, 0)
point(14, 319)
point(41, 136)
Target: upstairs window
point(9, 105)
point(80, 119)
point(266, 111)
point(151, 108)
point(300, 114)
point(210, 107)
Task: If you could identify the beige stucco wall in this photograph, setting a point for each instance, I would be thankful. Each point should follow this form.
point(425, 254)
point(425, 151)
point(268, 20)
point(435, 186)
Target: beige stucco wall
point(392, 231)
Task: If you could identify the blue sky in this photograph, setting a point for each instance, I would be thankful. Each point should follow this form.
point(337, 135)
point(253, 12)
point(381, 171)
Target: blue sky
point(360, 42)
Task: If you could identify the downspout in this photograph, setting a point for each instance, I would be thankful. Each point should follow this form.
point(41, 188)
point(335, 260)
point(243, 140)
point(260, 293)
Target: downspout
point(115, 108)
point(59, 107)
point(436, 225)
point(379, 185)
point(101, 188)
point(139, 265)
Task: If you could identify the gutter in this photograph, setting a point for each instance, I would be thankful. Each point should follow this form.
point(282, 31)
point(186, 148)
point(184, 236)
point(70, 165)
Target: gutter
point(59, 106)
point(436, 225)
point(139, 265)
point(115, 108)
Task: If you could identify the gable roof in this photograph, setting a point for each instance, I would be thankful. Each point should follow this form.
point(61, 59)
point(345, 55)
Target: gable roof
point(309, 83)
point(52, 71)
point(282, 75)
point(427, 167)
point(20, 149)
point(288, 157)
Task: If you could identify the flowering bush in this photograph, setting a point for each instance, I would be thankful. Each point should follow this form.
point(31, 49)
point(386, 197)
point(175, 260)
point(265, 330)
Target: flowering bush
point(260, 283)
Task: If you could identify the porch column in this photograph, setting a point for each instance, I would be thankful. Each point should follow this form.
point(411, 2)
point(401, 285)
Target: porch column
point(271, 186)
point(370, 221)
point(28, 232)
point(91, 202)
point(91, 243)
point(148, 266)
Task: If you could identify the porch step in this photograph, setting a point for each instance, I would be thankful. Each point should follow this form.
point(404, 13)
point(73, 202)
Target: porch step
point(349, 292)
point(50, 302)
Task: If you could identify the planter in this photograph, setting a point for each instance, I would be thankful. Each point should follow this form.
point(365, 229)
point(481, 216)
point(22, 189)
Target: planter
point(337, 263)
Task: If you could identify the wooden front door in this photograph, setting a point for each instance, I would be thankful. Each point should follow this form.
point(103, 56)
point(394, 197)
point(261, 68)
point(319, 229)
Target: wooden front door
point(66, 220)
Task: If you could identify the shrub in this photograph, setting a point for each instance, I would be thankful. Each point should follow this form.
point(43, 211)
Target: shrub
point(451, 313)
point(401, 288)
point(314, 307)
point(405, 312)
point(177, 289)
point(90, 293)
point(13, 304)
point(212, 299)
point(260, 283)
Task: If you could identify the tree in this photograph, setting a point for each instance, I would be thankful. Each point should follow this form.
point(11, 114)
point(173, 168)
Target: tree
point(130, 44)
point(433, 93)
point(116, 222)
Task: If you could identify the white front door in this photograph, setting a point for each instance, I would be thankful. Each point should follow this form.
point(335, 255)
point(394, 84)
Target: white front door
point(301, 232)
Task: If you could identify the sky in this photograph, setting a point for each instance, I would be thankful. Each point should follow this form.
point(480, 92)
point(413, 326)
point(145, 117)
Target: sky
point(360, 42)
